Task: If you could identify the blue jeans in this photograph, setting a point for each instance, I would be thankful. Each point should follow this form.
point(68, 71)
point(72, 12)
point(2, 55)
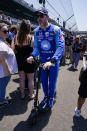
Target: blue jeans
point(3, 83)
point(75, 59)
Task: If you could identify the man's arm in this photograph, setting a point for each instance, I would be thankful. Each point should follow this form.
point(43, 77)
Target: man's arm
point(60, 43)
point(59, 40)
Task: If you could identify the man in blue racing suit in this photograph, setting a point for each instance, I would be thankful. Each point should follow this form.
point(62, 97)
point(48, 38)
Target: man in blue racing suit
point(49, 45)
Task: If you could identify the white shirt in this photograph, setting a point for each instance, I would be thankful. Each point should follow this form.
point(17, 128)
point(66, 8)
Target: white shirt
point(11, 59)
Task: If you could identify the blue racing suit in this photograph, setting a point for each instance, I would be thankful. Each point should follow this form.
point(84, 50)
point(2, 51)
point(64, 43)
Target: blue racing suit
point(49, 44)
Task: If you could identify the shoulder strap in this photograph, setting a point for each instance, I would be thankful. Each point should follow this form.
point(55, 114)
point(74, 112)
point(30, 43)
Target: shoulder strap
point(30, 41)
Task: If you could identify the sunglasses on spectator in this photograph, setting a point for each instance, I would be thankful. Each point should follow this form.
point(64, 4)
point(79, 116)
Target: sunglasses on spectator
point(41, 16)
point(5, 31)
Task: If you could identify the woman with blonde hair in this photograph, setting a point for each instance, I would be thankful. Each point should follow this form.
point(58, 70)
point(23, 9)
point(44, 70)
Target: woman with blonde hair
point(24, 47)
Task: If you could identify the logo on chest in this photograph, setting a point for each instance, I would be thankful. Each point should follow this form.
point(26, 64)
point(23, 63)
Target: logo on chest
point(45, 45)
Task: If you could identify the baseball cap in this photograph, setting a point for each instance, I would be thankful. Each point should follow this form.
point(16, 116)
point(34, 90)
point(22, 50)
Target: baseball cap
point(42, 10)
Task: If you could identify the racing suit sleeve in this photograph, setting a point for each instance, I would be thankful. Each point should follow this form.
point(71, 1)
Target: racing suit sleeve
point(36, 48)
point(59, 40)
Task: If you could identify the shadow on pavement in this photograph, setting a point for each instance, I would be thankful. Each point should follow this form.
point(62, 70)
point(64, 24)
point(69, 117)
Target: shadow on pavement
point(41, 123)
point(80, 124)
point(17, 106)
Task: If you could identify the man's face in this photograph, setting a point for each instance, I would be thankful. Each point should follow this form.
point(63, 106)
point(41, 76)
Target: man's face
point(42, 19)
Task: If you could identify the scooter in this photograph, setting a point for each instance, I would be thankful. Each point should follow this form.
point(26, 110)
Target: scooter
point(33, 117)
point(36, 110)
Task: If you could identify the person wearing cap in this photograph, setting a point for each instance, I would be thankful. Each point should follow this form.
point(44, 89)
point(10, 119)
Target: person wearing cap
point(49, 45)
point(12, 34)
point(76, 49)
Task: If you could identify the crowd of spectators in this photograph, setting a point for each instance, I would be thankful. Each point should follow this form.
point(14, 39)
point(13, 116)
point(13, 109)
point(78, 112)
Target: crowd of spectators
point(5, 19)
point(75, 46)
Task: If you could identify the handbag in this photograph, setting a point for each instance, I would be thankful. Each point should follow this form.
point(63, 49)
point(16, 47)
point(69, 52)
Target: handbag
point(83, 72)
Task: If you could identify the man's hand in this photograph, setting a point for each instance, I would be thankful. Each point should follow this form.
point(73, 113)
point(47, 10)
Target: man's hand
point(47, 65)
point(30, 59)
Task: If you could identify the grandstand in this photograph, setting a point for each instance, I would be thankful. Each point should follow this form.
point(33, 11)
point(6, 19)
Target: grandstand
point(18, 9)
point(81, 33)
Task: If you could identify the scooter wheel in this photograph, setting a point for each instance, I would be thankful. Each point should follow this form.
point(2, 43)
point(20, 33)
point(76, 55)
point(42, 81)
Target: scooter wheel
point(33, 118)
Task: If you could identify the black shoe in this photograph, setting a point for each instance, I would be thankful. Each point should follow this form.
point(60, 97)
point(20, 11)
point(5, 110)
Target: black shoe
point(5, 103)
point(43, 104)
point(75, 69)
point(45, 108)
point(44, 101)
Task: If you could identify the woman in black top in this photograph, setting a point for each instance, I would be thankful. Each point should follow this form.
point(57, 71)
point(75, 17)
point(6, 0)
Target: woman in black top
point(23, 49)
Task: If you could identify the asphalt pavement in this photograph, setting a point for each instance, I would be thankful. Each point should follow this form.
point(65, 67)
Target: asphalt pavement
point(61, 118)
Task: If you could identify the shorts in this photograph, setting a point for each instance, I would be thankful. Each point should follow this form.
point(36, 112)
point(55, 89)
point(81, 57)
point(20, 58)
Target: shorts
point(82, 91)
point(29, 68)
